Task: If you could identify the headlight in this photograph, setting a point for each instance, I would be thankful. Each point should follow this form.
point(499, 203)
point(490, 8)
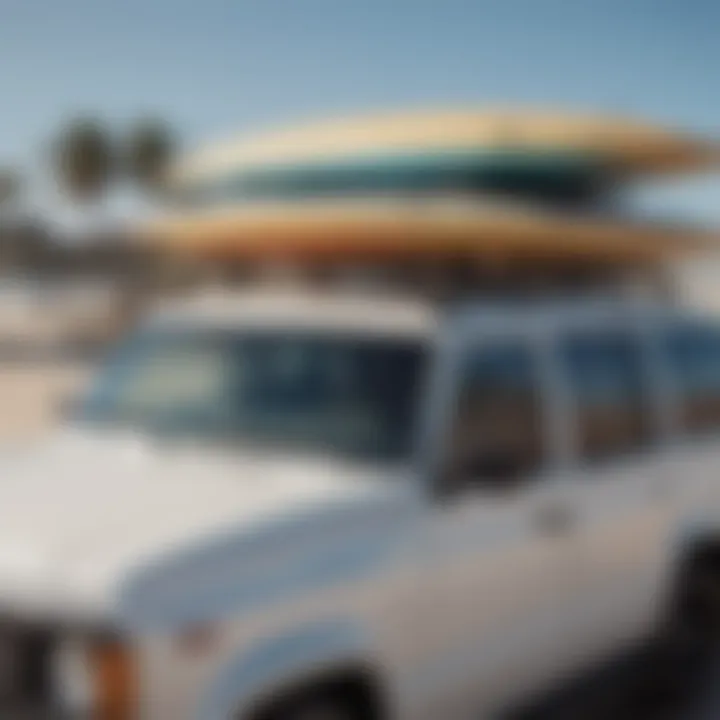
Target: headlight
point(95, 678)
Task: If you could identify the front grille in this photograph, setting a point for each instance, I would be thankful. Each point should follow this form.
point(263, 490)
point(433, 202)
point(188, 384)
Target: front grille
point(26, 655)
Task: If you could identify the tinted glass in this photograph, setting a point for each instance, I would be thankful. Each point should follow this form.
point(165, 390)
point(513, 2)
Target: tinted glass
point(354, 396)
point(693, 356)
point(608, 387)
point(497, 430)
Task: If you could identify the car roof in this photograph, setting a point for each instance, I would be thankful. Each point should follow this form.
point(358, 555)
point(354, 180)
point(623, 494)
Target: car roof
point(388, 314)
point(290, 309)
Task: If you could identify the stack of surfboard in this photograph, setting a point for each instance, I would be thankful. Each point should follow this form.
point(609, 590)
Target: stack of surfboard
point(465, 184)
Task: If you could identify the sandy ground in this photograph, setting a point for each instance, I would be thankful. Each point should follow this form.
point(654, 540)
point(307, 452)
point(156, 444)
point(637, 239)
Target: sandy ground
point(30, 393)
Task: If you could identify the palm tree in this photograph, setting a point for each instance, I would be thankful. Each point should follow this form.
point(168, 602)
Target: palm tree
point(148, 151)
point(10, 190)
point(10, 186)
point(88, 159)
point(84, 159)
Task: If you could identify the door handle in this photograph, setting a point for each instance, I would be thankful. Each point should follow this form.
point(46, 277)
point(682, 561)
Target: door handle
point(555, 520)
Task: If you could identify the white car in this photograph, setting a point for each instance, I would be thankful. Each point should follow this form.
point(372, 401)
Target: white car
point(306, 506)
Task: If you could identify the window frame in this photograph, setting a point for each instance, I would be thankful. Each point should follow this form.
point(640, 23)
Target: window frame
point(479, 325)
point(466, 336)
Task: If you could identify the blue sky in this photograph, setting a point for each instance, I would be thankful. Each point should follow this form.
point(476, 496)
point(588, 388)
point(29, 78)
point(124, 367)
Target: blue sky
point(214, 67)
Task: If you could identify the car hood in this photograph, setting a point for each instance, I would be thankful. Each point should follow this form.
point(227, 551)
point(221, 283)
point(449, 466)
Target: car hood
point(79, 510)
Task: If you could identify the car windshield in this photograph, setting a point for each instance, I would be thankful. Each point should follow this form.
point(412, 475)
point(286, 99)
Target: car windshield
point(351, 395)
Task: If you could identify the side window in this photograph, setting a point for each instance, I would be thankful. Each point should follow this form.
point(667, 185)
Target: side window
point(693, 356)
point(609, 390)
point(496, 436)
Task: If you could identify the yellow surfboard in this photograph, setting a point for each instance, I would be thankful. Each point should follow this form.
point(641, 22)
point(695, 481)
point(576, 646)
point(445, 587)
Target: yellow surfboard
point(367, 229)
point(630, 147)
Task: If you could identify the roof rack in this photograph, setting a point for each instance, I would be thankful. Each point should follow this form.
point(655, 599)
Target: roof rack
point(452, 281)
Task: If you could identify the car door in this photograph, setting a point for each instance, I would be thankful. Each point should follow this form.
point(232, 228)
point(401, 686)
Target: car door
point(498, 551)
point(623, 507)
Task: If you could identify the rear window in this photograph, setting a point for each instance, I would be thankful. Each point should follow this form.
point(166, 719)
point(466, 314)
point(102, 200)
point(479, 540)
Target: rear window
point(692, 354)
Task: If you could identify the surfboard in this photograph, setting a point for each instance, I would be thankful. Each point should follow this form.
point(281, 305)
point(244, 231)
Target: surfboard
point(384, 229)
point(453, 141)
